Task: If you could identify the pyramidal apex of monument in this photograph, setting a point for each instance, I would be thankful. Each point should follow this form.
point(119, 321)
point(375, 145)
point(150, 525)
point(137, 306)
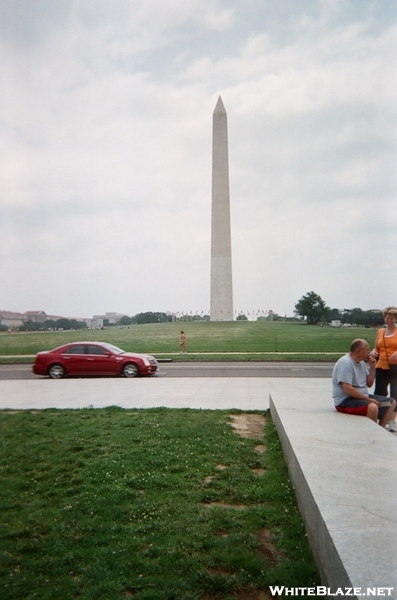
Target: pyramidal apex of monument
point(219, 108)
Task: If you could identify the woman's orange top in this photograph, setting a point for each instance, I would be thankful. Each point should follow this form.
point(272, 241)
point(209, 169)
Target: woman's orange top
point(386, 346)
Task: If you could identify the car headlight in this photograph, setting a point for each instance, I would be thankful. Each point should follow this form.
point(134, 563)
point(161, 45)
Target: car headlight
point(146, 362)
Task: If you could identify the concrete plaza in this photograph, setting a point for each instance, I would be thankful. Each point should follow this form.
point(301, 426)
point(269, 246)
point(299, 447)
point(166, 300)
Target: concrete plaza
point(246, 393)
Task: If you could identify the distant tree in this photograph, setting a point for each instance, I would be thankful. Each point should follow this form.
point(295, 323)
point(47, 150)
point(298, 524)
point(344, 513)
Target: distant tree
point(366, 318)
point(33, 326)
point(242, 318)
point(375, 318)
point(346, 316)
point(334, 315)
point(151, 317)
point(62, 323)
point(277, 317)
point(357, 317)
point(67, 324)
point(125, 321)
point(27, 326)
point(312, 308)
point(74, 324)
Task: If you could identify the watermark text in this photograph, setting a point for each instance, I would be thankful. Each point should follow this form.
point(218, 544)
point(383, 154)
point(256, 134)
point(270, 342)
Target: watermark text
point(320, 590)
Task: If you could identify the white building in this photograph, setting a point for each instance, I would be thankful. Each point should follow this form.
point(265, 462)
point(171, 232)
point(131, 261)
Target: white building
point(109, 318)
point(12, 319)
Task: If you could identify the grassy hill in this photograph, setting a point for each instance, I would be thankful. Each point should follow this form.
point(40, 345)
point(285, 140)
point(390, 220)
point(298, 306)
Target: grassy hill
point(239, 339)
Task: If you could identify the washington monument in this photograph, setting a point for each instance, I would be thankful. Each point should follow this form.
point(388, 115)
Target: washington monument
point(221, 246)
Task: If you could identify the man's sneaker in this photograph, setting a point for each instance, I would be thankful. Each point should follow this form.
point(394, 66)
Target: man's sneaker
point(392, 426)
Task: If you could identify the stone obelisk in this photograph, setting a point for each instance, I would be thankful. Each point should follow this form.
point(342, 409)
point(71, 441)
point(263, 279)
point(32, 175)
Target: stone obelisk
point(221, 246)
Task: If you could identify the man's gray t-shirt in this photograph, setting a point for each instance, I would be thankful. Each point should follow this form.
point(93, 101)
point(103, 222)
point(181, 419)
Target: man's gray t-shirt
point(346, 370)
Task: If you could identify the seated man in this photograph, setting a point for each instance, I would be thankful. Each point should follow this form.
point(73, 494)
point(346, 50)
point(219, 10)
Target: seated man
point(351, 379)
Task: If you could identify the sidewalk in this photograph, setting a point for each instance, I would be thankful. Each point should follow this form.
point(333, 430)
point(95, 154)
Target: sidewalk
point(246, 393)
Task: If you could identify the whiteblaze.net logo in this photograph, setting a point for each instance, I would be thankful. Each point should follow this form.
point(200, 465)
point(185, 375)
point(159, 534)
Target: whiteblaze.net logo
point(375, 592)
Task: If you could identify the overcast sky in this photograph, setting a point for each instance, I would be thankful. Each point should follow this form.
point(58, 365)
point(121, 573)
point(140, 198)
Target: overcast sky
point(106, 133)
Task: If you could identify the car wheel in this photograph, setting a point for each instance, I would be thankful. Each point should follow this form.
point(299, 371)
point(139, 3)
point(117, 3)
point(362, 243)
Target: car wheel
point(56, 372)
point(130, 370)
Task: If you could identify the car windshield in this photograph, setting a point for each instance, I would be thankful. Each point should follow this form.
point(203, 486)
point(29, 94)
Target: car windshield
point(113, 349)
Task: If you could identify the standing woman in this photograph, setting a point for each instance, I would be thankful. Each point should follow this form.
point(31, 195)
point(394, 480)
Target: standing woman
point(386, 352)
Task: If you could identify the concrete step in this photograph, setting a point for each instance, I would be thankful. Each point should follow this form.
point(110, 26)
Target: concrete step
point(344, 470)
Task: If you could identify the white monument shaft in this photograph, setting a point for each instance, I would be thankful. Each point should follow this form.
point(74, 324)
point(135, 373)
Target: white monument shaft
point(221, 247)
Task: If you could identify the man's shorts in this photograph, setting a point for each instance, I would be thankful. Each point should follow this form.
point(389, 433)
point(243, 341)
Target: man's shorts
point(355, 406)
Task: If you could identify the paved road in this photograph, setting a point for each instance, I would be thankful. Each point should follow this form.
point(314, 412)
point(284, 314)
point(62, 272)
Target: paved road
point(212, 369)
point(239, 369)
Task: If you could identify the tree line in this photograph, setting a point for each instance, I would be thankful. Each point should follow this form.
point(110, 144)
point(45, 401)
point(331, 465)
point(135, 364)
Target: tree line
point(313, 309)
point(146, 317)
point(159, 317)
point(58, 324)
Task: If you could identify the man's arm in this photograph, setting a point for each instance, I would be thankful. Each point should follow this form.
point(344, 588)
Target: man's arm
point(371, 374)
point(354, 393)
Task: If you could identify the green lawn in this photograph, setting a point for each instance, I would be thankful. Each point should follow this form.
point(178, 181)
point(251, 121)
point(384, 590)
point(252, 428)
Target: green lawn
point(206, 339)
point(151, 504)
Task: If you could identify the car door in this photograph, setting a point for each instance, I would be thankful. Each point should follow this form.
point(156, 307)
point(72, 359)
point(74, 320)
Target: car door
point(99, 360)
point(74, 359)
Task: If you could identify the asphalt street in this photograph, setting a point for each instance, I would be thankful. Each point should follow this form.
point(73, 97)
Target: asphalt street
point(211, 369)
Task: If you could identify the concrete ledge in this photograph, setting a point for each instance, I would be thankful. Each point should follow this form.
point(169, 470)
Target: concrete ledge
point(344, 470)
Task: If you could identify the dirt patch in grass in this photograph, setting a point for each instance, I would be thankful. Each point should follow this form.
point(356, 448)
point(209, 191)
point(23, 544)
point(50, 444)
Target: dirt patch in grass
point(223, 533)
point(225, 505)
point(267, 548)
point(249, 425)
point(258, 472)
point(209, 478)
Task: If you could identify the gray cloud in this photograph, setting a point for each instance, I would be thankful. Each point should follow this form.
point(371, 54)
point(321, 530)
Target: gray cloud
point(106, 137)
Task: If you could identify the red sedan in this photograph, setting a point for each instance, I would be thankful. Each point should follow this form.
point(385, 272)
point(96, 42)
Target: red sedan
point(93, 358)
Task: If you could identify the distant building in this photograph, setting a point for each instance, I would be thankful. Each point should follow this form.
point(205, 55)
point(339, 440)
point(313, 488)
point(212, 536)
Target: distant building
point(109, 318)
point(36, 316)
point(12, 320)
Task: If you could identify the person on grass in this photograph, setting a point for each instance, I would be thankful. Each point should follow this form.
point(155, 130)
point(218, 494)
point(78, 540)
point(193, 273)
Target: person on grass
point(182, 343)
point(351, 378)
